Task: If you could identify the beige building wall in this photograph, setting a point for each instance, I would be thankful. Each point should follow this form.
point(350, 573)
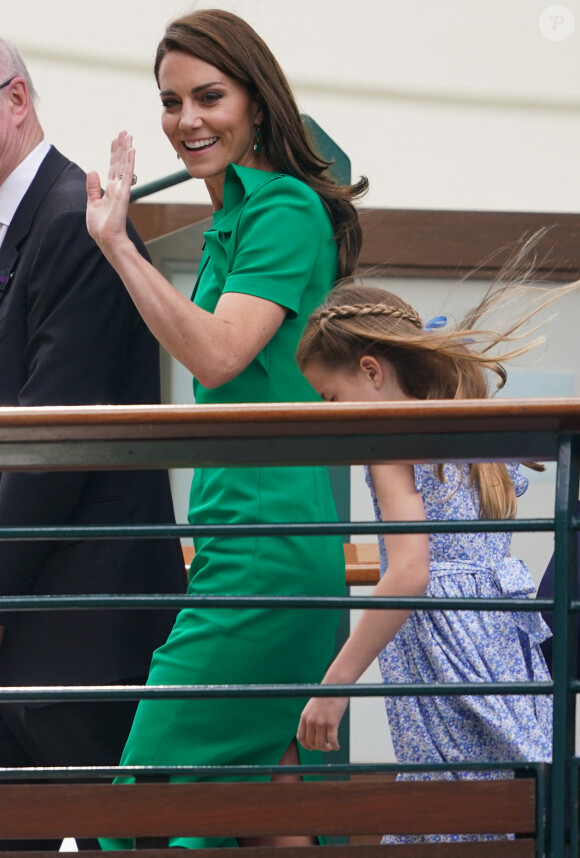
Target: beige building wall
point(441, 103)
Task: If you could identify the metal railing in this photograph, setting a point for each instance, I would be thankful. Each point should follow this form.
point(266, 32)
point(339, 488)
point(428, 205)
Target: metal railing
point(290, 434)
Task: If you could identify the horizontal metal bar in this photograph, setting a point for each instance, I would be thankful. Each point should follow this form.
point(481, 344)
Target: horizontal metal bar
point(92, 602)
point(108, 772)
point(159, 185)
point(286, 450)
point(163, 531)
point(47, 693)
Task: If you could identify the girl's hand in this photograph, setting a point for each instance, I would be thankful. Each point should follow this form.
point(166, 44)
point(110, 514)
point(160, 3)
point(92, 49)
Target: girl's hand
point(107, 215)
point(318, 728)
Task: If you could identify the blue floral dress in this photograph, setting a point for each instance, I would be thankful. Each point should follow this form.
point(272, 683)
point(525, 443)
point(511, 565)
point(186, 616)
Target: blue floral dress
point(466, 646)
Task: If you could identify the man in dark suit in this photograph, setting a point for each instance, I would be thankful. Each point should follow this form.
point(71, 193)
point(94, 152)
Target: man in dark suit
point(546, 590)
point(70, 335)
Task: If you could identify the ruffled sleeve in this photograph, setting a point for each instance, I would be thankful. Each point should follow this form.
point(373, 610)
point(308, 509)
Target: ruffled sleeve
point(520, 482)
point(272, 233)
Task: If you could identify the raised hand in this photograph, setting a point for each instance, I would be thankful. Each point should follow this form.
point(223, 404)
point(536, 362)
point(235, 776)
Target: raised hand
point(319, 722)
point(107, 214)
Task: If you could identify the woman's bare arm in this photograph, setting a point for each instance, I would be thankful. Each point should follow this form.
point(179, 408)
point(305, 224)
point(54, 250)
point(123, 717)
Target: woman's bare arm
point(215, 347)
point(407, 575)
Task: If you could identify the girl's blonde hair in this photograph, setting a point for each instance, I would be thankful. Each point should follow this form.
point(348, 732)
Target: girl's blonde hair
point(456, 362)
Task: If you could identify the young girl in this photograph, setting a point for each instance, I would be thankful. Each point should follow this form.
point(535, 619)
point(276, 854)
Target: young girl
point(367, 344)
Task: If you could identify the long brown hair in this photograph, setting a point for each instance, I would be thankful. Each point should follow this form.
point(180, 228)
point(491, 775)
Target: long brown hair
point(458, 362)
point(229, 43)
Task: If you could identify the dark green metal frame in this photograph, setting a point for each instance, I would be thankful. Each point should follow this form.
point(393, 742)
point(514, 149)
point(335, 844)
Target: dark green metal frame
point(557, 785)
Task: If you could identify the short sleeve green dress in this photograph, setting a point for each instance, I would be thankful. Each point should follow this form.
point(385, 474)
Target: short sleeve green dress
point(272, 239)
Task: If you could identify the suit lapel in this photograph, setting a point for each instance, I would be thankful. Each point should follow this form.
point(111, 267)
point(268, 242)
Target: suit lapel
point(8, 259)
point(48, 172)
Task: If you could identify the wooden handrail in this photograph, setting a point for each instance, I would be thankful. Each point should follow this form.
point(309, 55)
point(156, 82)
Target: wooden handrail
point(361, 562)
point(292, 419)
point(90, 437)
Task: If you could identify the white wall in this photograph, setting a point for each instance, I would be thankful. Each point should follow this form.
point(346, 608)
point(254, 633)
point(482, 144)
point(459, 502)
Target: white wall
point(442, 103)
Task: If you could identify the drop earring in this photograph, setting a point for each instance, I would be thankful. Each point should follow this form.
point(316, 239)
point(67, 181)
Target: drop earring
point(258, 139)
point(178, 156)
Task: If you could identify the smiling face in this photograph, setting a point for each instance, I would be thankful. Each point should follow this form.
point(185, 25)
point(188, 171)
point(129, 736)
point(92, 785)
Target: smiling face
point(372, 380)
point(209, 118)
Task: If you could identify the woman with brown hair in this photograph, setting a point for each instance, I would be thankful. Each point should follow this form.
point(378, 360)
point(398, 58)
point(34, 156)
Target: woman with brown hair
point(366, 344)
point(282, 232)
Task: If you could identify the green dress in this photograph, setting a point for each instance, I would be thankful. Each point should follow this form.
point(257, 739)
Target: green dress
point(272, 239)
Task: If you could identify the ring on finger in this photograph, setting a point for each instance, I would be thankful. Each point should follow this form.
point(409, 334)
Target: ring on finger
point(133, 178)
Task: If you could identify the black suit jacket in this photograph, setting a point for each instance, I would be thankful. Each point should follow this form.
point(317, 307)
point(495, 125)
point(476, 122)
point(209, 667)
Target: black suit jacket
point(546, 591)
point(70, 335)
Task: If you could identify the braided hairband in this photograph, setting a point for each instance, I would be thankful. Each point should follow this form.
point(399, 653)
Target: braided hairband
point(348, 311)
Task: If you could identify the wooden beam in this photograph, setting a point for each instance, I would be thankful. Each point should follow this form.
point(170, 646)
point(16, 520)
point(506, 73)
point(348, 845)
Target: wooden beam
point(424, 243)
point(450, 244)
point(152, 220)
point(500, 849)
point(239, 810)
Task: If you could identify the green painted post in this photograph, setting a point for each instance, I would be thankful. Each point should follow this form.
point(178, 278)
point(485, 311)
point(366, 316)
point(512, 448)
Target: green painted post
point(564, 649)
point(574, 809)
point(341, 172)
point(542, 793)
point(159, 185)
point(339, 476)
point(330, 151)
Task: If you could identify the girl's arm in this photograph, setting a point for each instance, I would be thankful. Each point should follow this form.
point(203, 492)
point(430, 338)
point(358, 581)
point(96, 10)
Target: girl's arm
point(215, 347)
point(407, 575)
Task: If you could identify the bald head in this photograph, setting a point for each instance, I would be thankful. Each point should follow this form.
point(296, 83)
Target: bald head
point(20, 130)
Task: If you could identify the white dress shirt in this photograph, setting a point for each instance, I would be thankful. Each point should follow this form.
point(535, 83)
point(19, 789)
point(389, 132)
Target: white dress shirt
point(15, 186)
